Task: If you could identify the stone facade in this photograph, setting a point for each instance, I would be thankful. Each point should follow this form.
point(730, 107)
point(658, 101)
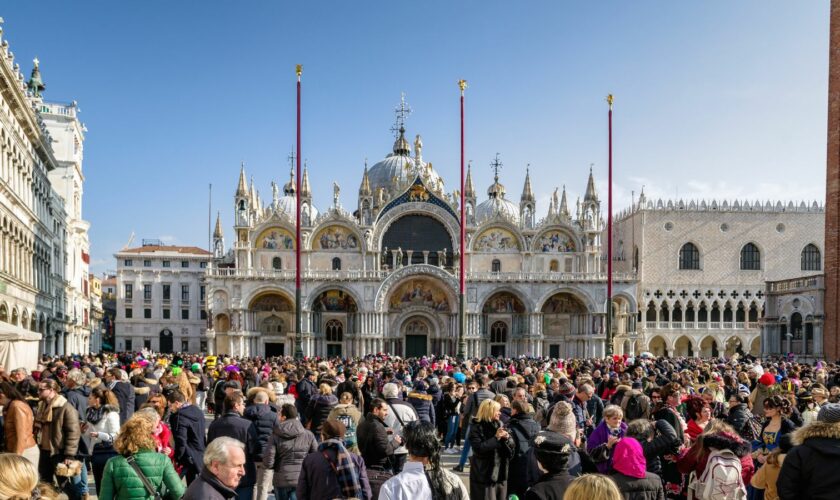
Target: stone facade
point(384, 277)
point(711, 300)
point(794, 318)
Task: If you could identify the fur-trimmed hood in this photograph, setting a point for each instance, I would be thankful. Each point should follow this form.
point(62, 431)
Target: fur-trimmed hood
point(725, 441)
point(820, 435)
point(420, 395)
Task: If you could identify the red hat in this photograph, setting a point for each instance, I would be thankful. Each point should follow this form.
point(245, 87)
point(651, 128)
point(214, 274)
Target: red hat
point(767, 379)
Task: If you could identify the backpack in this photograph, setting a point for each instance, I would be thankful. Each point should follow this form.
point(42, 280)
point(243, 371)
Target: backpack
point(720, 480)
point(526, 452)
point(350, 433)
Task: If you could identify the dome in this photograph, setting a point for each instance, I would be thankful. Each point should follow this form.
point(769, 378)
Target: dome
point(402, 166)
point(497, 205)
point(287, 205)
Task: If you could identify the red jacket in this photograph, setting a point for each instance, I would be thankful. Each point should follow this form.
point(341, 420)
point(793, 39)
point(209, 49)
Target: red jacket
point(689, 460)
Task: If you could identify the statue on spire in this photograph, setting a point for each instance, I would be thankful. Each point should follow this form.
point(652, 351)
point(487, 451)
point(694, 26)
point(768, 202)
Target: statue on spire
point(35, 85)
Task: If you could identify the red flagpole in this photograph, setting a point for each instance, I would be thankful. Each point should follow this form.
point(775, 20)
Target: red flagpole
point(298, 309)
point(609, 234)
point(462, 316)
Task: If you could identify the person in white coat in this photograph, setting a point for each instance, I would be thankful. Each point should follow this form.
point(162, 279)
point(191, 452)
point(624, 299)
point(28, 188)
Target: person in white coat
point(422, 477)
point(101, 429)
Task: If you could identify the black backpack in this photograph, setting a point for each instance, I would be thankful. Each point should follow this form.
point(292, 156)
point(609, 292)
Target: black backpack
point(526, 451)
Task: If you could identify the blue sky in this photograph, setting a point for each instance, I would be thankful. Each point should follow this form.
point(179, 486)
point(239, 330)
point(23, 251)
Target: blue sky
point(714, 99)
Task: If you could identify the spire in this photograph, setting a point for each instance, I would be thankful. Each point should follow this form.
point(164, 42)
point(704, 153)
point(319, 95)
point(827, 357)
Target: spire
point(564, 206)
point(590, 195)
point(642, 197)
point(290, 187)
point(469, 190)
point(496, 190)
point(217, 233)
point(35, 83)
point(253, 193)
point(305, 188)
point(364, 189)
point(242, 189)
point(401, 146)
point(527, 193)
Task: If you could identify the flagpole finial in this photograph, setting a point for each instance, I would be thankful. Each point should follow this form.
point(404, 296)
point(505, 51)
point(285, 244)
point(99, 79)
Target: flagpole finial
point(462, 84)
point(610, 100)
point(298, 70)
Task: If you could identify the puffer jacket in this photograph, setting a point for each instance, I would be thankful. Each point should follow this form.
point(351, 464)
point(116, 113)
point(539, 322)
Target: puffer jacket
point(739, 417)
point(809, 471)
point(263, 418)
point(423, 405)
point(645, 488)
point(722, 441)
point(491, 456)
point(318, 410)
point(120, 481)
point(290, 444)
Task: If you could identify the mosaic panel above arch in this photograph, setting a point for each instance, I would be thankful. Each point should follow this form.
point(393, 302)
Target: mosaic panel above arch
point(502, 303)
point(554, 241)
point(335, 301)
point(336, 238)
point(563, 303)
point(275, 238)
point(269, 302)
point(495, 240)
point(419, 292)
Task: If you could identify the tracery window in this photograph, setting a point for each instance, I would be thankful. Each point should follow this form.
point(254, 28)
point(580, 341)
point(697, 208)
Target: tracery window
point(498, 332)
point(334, 330)
point(750, 258)
point(689, 256)
point(811, 258)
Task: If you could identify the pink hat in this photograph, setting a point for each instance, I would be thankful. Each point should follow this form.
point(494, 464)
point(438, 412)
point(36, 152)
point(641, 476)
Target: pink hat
point(629, 459)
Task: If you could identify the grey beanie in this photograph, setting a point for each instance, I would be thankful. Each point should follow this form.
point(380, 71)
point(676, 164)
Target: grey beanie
point(829, 413)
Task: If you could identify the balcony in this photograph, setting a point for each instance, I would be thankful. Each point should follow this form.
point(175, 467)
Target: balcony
point(702, 325)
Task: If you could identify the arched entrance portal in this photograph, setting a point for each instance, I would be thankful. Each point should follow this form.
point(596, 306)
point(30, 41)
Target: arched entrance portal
point(566, 323)
point(416, 332)
point(333, 315)
point(272, 315)
point(503, 319)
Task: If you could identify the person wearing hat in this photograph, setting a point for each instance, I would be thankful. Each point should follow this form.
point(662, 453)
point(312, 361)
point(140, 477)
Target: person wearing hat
point(810, 468)
point(422, 402)
point(552, 451)
point(630, 472)
point(820, 395)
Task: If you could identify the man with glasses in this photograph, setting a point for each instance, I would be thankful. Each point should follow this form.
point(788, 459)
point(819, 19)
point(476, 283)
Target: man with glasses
point(58, 423)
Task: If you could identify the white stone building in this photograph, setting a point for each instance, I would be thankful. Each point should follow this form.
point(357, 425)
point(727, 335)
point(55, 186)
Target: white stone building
point(385, 277)
point(702, 268)
point(161, 298)
point(795, 317)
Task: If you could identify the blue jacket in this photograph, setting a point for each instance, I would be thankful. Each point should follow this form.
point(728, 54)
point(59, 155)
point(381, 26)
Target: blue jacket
point(423, 405)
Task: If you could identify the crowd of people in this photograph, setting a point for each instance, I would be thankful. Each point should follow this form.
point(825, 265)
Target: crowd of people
point(149, 426)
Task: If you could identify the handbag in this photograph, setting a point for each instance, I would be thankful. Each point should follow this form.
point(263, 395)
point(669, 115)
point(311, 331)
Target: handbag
point(376, 478)
point(146, 483)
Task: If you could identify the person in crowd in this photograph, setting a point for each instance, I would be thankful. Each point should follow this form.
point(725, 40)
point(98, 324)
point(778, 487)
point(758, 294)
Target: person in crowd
point(375, 438)
point(187, 423)
point(552, 451)
point(563, 422)
point(60, 431)
point(658, 439)
point(523, 430)
point(123, 390)
point(492, 449)
point(319, 408)
point(306, 390)
point(765, 477)
point(263, 418)
point(671, 395)
point(400, 413)
point(583, 394)
point(717, 436)
point(370, 391)
point(19, 480)
point(607, 434)
point(470, 406)
point(347, 412)
point(422, 402)
point(142, 389)
point(631, 475)
point(699, 415)
point(740, 417)
point(290, 443)
point(776, 424)
point(450, 410)
point(101, 428)
point(332, 471)
point(233, 425)
point(504, 403)
point(592, 486)
point(18, 424)
point(223, 467)
point(760, 392)
point(136, 450)
point(809, 469)
point(423, 478)
point(160, 432)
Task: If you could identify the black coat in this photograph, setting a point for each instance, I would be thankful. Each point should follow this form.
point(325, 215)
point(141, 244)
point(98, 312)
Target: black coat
point(738, 417)
point(318, 410)
point(550, 487)
point(207, 487)
point(125, 395)
point(646, 488)
point(374, 445)
point(809, 471)
point(188, 431)
point(491, 457)
point(664, 443)
point(318, 480)
point(263, 418)
point(306, 390)
point(290, 444)
point(78, 398)
point(522, 429)
point(232, 425)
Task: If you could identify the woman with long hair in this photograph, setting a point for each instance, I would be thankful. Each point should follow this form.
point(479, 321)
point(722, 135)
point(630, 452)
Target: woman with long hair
point(102, 426)
point(423, 469)
point(160, 433)
point(776, 425)
point(370, 391)
point(19, 480)
point(135, 444)
point(18, 424)
point(451, 405)
point(492, 448)
point(671, 399)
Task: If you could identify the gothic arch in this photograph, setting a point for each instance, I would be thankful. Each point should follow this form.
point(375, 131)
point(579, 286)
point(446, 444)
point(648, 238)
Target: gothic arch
point(497, 224)
point(588, 302)
point(389, 284)
point(416, 208)
point(330, 222)
point(519, 294)
point(563, 228)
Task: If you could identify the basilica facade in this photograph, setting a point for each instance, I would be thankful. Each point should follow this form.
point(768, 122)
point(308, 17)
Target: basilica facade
point(383, 276)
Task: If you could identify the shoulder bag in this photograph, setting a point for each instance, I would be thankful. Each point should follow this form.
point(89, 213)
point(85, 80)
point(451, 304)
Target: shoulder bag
point(146, 483)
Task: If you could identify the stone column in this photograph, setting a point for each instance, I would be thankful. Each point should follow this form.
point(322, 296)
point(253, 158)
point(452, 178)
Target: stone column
point(425, 256)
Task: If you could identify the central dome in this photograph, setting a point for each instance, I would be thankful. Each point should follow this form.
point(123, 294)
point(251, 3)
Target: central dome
point(404, 168)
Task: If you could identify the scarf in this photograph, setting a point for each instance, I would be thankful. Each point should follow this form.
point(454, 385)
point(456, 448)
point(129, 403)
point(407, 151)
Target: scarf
point(45, 413)
point(341, 462)
point(94, 415)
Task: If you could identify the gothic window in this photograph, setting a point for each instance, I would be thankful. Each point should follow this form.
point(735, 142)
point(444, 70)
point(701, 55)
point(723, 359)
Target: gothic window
point(498, 332)
point(689, 257)
point(277, 263)
point(336, 264)
point(272, 325)
point(334, 330)
point(750, 258)
point(496, 266)
point(811, 258)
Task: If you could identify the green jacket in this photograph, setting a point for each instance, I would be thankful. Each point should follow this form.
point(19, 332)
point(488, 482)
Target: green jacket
point(119, 481)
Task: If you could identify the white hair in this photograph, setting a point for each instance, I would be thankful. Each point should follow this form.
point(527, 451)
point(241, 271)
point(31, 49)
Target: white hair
point(219, 450)
point(390, 390)
point(77, 376)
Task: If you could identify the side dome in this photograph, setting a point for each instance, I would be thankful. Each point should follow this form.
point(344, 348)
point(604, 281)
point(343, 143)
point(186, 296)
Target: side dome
point(496, 203)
